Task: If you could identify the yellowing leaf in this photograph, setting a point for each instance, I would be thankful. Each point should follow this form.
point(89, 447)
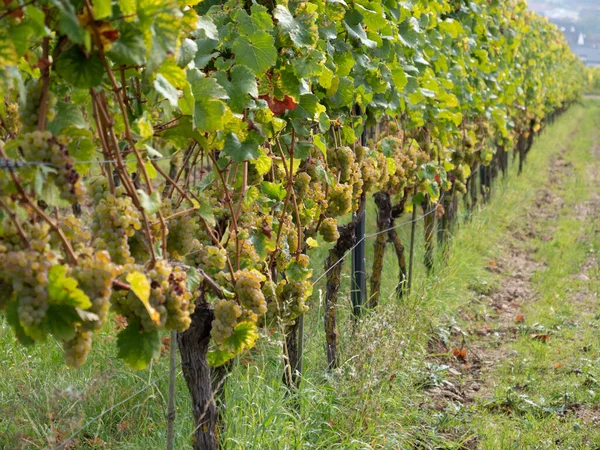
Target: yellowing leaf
point(140, 286)
point(63, 289)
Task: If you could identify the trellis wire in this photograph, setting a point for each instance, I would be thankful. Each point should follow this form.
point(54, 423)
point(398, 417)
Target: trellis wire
point(11, 164)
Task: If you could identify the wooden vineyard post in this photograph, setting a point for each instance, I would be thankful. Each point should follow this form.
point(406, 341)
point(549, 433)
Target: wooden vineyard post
point(429, 227)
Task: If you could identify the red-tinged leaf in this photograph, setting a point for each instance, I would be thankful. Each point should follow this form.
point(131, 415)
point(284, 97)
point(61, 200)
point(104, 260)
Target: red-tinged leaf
point(111, 34)
point(277, 106)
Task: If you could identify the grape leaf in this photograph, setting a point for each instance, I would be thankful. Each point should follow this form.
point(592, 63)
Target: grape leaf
point(166, 89)
point(300, 32)
point(243, 83)
point(243, 151)
point(128, 8)
point(218, 357)
point(130, 48)
point(209, 114)
point(67, 115)
point(79, 70)
point(137, 347)
point(276, 191)
point(151, 203)
point(61, 322)
point(243, 337)
point(12, 317)
point(63, 289)
point(256, 51)
point(102, 9)
point(140, 286)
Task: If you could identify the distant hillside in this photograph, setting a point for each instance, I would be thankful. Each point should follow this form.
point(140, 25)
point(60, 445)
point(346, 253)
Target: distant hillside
point(579, 20)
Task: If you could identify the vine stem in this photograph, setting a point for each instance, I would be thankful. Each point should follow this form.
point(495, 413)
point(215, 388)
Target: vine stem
point(53, 225)
point(45, 75)
point(10, 11)
point(118, 92)
point(175, 185)
point(230, 206)
point(14, 219)
point(290, 194)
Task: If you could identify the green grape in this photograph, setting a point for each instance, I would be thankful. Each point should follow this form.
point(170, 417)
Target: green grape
point(227, 313)
point(178, 301)
point(11, 121)
point(340, 200)
point(460, 187)
point(27, 273)
point(95, 275)
point(29, 110)
point(249, 293)
point(210, 257)
point(291, 296)
point(329, 230)
point(181, 240)
point(115, 220)
point(302, 185)
point(39, 146)
point(342, 161)
point(77, 349)
point(370, 173)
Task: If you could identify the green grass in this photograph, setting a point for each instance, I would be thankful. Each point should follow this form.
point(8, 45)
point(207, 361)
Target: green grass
point(379, 398)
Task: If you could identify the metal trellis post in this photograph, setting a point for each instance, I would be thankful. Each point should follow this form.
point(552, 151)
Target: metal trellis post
point(359, 280)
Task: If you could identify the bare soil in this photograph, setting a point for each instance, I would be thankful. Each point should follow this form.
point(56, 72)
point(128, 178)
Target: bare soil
point(487, 342)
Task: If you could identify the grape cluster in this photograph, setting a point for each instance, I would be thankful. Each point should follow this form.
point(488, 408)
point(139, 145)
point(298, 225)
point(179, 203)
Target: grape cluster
point(95, 275)
point(371, 171)
point(11, 120)
point(253, 178)
point(170, 300)
point(341, 160)
point(115, 220)
point(227, 313)
point(77, 349)
point(329, 230)
point(210, 257)
point(181, 240)
point(178, 301)
point(339, 201)
point(302, 185)
point(461, 179)
point(291, 300)
point(42, 146)
point(249, 294)
point(29, 111)
point(75, 232)
point(406, 159)
point(26, 272)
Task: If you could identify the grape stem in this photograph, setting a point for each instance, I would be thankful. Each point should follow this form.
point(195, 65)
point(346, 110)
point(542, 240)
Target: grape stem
point(120, 286)
point(14, 219)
